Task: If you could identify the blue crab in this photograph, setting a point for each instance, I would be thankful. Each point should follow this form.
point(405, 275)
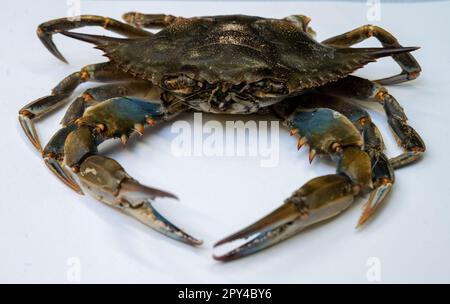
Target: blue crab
point(228, 65)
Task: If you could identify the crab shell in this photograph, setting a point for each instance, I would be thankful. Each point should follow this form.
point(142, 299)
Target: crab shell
point(233, 50)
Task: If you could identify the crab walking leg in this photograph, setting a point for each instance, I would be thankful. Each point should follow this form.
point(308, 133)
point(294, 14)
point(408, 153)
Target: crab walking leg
point(53, 153)
point(382, 169)
point(152, 21)
point(409, 65)
point(46, 30)
point(383, 176)
point(103, 72)
point(103, 177)
point(405, 159)
point(366, 90)
point(326, 132)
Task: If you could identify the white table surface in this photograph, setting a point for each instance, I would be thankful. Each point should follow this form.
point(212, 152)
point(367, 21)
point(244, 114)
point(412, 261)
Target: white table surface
point(48, 232)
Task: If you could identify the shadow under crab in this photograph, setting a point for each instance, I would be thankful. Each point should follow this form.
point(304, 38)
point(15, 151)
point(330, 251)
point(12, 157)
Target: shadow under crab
point(229, 65)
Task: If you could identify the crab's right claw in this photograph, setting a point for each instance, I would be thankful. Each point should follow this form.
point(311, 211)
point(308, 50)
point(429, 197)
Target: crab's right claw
point(107, 181)
point(319, 199)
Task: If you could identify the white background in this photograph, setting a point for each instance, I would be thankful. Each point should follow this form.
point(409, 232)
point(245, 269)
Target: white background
point(43, 224)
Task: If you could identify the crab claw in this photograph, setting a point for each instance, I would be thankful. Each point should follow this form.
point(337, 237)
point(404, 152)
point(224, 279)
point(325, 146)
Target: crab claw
point(325, 131)
point(107, 181)
point(319, 199)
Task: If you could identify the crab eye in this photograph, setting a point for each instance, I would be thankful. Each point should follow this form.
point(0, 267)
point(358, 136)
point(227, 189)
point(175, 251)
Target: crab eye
point(302, 22)
point(268, 88)
point(179, 84)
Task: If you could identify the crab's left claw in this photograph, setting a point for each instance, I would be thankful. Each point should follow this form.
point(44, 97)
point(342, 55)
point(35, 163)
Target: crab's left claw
point(327, 132)
point(319, 199)
point(107, 181)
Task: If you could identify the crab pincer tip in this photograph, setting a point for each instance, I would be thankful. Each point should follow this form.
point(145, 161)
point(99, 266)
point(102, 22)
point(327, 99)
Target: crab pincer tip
point(266, 232)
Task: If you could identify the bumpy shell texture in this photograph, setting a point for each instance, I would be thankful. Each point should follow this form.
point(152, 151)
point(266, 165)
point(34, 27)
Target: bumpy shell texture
point(235, 49)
